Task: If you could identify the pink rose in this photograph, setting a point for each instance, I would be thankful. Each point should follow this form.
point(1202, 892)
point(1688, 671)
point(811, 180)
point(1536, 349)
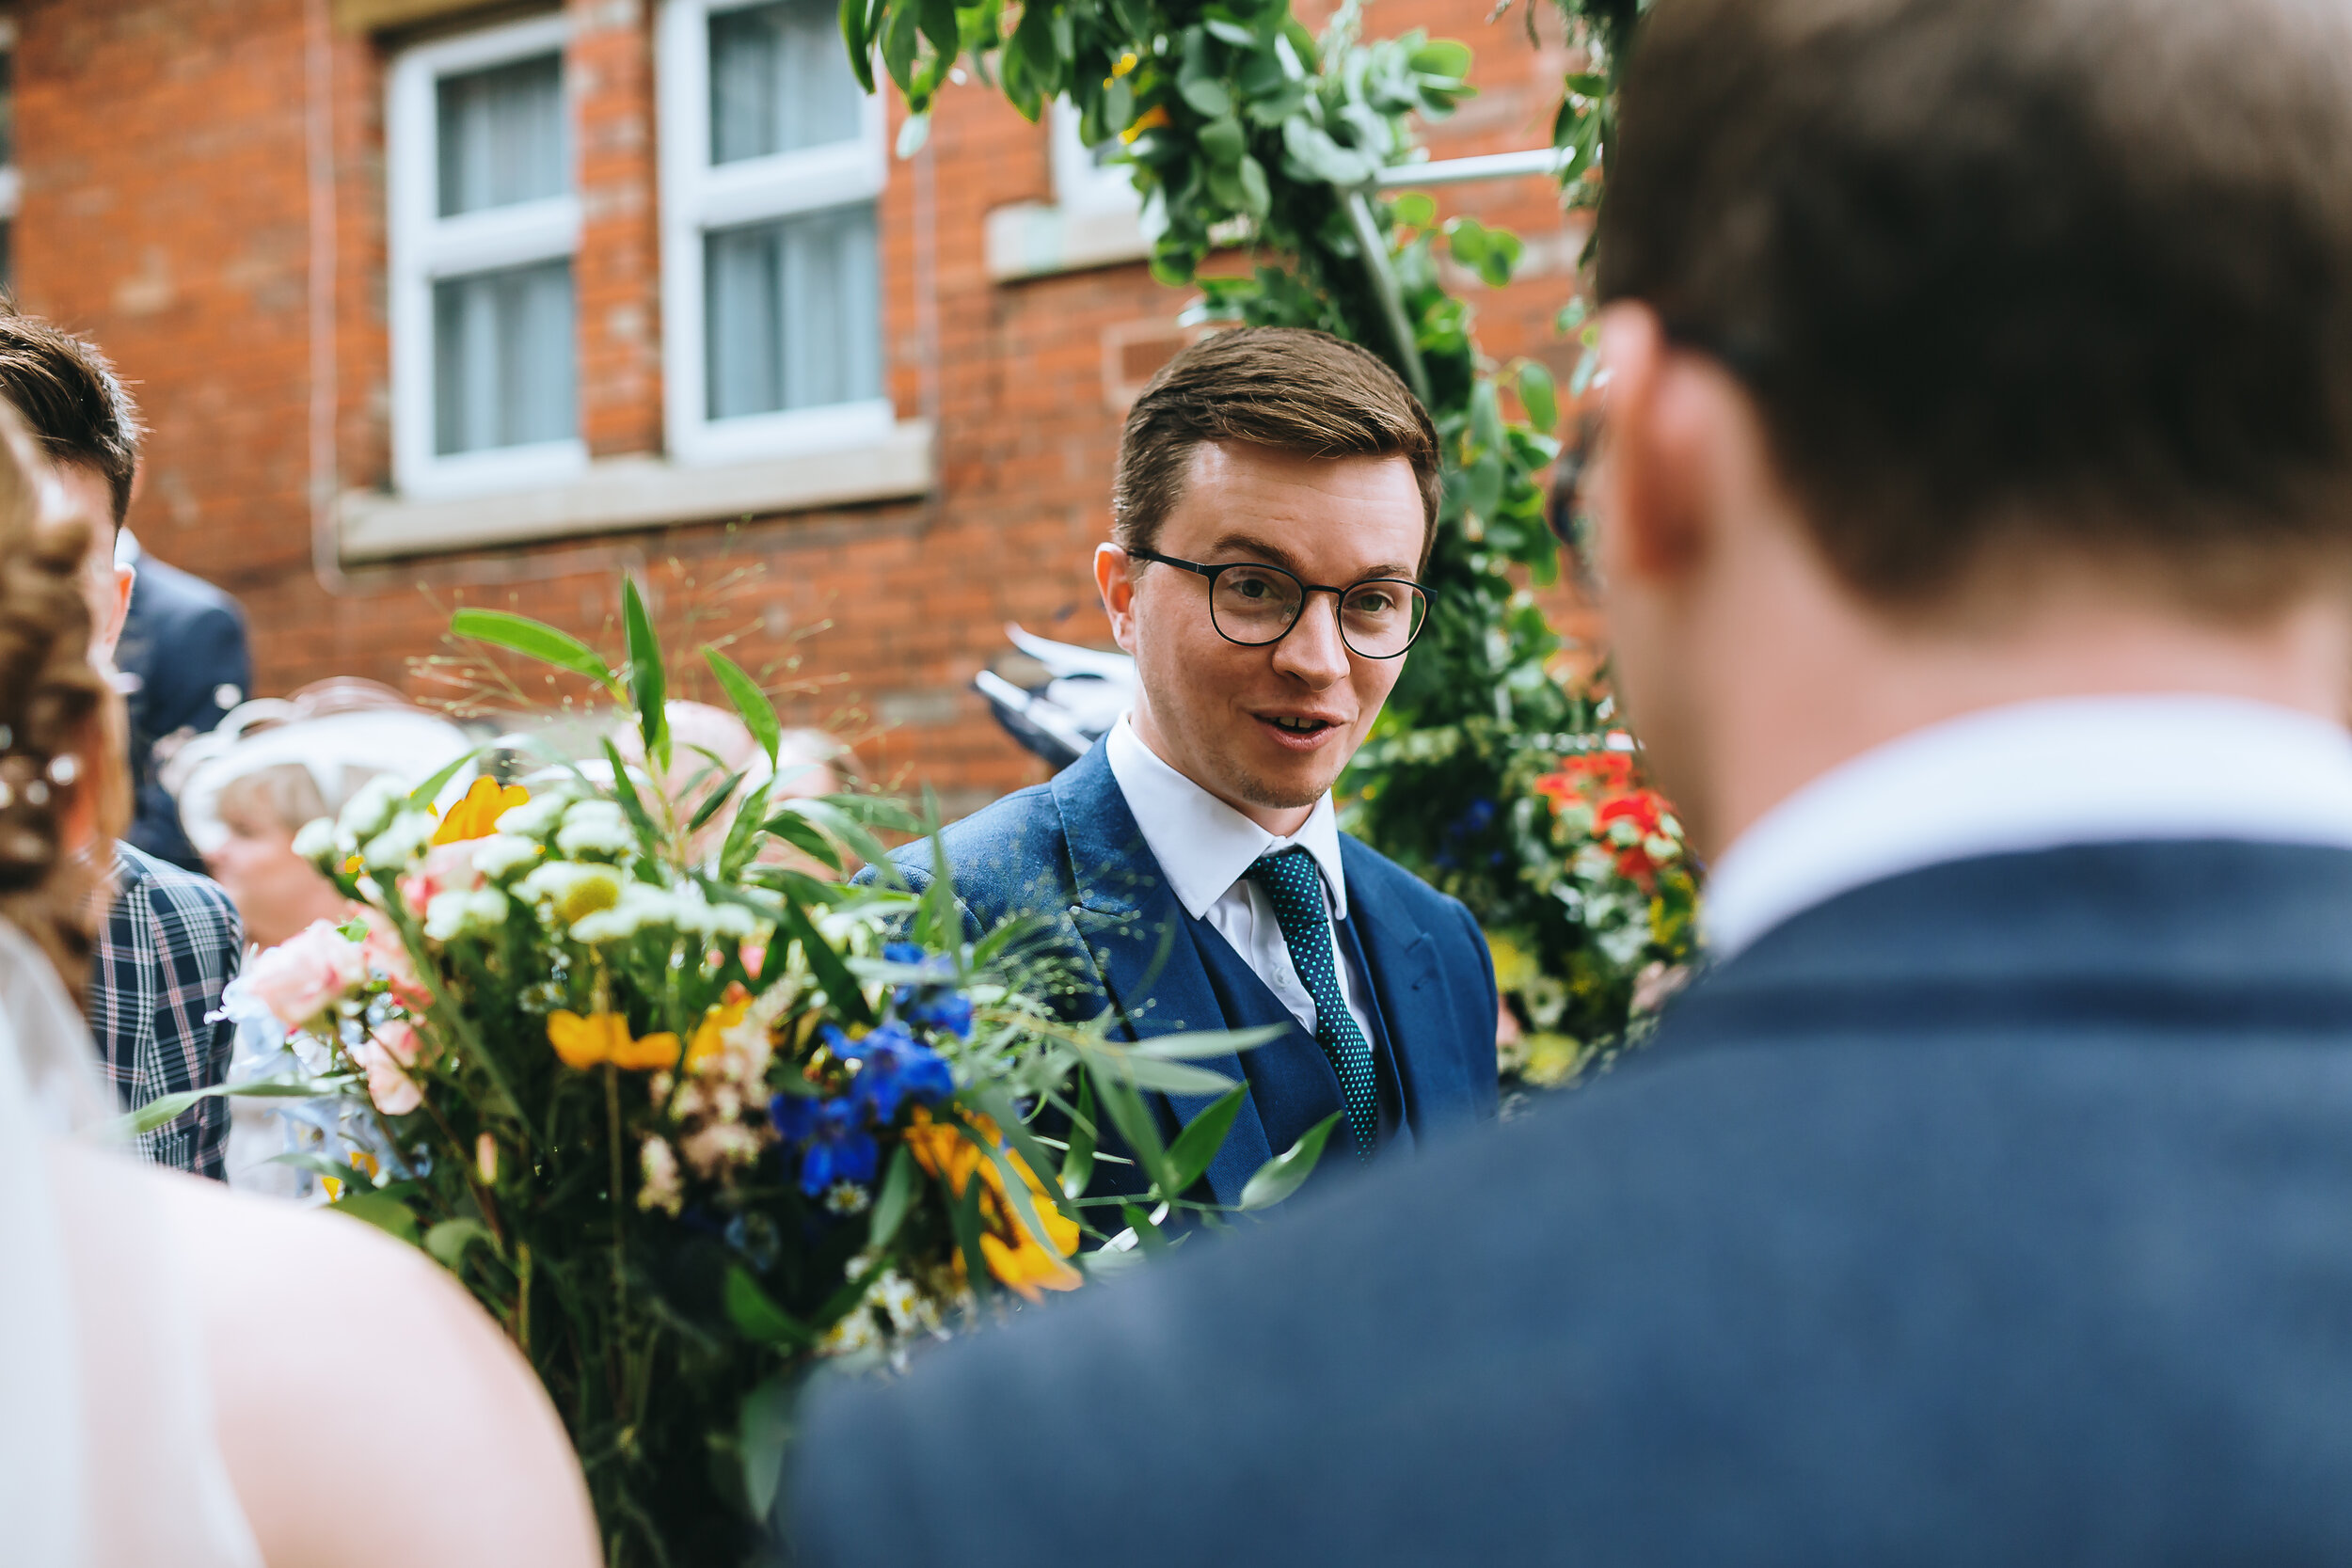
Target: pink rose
point(388, 956)
point(447, 868)
point(393, 1047)
point(306, 974)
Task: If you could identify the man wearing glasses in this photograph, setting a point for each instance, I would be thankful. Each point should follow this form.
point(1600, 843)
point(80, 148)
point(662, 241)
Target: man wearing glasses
point(1276, 495)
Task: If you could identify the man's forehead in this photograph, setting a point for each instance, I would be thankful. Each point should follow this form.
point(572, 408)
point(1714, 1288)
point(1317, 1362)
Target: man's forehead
point(1290, 507)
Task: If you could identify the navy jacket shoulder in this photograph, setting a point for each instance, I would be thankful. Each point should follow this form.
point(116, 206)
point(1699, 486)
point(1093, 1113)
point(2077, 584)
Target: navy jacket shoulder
point(1992, 1213)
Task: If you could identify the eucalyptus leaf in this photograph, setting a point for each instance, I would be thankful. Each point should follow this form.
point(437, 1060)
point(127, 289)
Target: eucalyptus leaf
point(1287, 1171)
point(448, 1242)
point(648, 682)
point(755, 1314)
point(1077, 1161)
point(763, 1436)
point(760, 714)
point(1198, 1144)
point(388, 1215)
point(429, 791)
point(535, 639)
point(890, 1205)
point(1537, 395)
point(841, 989)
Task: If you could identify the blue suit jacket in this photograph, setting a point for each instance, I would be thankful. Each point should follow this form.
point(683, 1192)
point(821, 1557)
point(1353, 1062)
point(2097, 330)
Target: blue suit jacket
point(1997, 1213)
point(184, 639)
point(1068, 854)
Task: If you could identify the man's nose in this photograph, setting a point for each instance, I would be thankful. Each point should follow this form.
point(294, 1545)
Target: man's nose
point(1314, 651)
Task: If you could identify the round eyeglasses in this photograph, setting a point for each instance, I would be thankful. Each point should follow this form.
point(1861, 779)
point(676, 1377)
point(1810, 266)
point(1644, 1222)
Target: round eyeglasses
point(1254, 605)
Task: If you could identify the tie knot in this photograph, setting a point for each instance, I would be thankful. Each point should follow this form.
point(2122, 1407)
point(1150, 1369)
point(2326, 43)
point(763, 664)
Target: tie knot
point(1290, 874)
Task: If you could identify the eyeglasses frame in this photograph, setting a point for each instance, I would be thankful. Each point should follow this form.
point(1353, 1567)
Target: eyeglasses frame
point(1307, 590)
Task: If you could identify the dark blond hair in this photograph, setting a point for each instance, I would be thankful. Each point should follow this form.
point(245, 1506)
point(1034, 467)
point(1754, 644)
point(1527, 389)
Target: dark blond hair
point(58, 720)
point(1278, 387)
point(2014, 278)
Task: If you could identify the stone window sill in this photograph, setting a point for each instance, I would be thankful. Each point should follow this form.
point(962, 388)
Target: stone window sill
point(1032, 238)
point(620, 493)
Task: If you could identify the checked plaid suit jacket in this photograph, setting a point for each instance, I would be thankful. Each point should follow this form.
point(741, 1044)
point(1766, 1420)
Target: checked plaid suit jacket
point(171, 943)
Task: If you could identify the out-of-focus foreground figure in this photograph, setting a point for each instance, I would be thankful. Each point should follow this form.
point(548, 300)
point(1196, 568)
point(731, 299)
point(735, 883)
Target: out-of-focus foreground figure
point(1977, 536)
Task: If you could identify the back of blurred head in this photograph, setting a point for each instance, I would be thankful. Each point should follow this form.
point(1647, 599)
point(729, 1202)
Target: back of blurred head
point(1971, 351)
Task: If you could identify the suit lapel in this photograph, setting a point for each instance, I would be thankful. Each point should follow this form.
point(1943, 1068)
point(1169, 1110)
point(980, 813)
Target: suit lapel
point(1134, 930)
point(1401, 962)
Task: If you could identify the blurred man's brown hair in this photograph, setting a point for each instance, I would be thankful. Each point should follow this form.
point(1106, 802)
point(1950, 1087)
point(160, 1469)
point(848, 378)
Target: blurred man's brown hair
point(2009, 278)
point(72, 400)
point(1277, 386)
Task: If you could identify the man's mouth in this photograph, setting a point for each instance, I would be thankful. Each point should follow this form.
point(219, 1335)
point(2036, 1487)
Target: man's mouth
point(1299, 731)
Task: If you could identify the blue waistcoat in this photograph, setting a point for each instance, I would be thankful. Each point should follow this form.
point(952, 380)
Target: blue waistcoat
point(1291, 1079)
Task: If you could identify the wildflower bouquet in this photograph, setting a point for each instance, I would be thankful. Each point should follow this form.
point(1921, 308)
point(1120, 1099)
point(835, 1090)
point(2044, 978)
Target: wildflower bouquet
point(1578, 873)
point(688, 1118)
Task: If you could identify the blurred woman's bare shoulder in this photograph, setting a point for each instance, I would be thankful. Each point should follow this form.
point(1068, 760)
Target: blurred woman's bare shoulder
point(352, 1380)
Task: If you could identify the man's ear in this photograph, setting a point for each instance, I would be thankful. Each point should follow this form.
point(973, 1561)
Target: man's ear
point(1655, 465)
point(1115, 580)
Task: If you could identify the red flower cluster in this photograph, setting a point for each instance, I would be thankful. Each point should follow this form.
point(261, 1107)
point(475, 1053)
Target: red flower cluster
point(1604, 781)
point(1594, 776)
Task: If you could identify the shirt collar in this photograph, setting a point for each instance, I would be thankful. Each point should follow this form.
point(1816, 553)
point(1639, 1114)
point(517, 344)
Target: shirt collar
point(1203, 845)
point(2036, 776)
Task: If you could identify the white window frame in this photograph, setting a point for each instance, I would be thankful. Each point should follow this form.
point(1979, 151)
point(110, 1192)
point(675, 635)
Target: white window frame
point(1079, 184)
point(696, 197)
point(426, 247)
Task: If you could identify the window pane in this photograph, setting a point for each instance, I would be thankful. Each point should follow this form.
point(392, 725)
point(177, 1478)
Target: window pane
point(503, 358)
point(779, 81)
point(501, 136)
point(792, 317)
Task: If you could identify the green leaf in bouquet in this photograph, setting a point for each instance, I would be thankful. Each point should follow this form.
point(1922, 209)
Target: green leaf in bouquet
point(1077, 1164)
point(1136, 1123)
point(763, 1431)
point(535, 639)
point(427, 792)
point(632, 804)
point(319, 1164)
point(841, 987)
point(939, 919)
point(826, 814)
point(963, 1216)
point(760, 714)
point(381, 1210)
point(169, 1108)
point(756, 1313)
point(1282, 1175)
point(743, 833)
point(890, 1205)
point(448, 1242)
point(803, 835)
point(1150, 1238)
point(1198, 1144)
point(1158, 1073)
point(648, 683)
point(1208, 1042)
point(715, 801)
point(1023, 1204)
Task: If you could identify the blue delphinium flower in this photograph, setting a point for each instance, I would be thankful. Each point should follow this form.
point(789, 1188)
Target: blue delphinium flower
point(838, 1147)
point(933, 1003)
point(894, 1067)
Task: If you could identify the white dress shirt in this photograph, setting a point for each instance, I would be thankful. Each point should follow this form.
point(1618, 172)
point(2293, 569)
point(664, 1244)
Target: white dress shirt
point(2036, 776)
point(1203, 846)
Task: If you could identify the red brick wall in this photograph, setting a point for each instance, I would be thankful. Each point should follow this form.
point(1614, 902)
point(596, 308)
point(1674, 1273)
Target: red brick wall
point(168, 208)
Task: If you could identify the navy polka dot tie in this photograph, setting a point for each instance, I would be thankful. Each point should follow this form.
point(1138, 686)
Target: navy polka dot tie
point(1295, 883)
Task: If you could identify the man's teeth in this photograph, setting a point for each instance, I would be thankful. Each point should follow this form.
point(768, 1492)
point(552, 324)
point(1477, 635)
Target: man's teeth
point(1303, 726)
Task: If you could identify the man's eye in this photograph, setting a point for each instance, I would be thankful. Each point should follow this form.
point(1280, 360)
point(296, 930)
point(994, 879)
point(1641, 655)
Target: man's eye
point(1376, 601)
